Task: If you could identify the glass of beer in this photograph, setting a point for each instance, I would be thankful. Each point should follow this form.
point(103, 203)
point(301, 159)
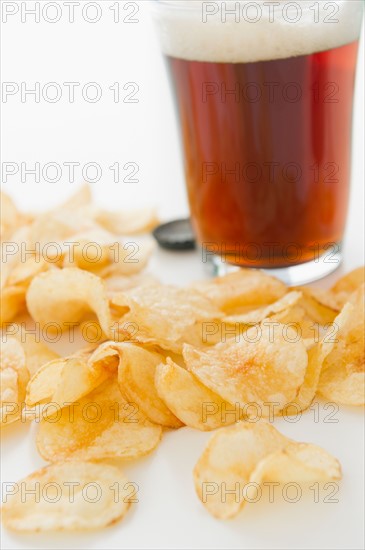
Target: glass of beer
point(264, 94)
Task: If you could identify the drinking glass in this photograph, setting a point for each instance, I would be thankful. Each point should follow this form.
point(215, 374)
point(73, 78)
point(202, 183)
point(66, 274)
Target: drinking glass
point(264, 94)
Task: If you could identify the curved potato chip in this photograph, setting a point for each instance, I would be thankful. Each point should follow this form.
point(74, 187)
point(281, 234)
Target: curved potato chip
point(37, 354)
point(23, 273)
point(259, 314)
point(343, 374)
point(128, 222)
point(14, 377)
point(194, 404)
point(230, 457)
point(100, 425)
point(11, 251)
point(12, 302)
point(341, 291)
point(245, 287)
point(136, 379)
point(63, 296)
point(56, 499)
point(298, 463)
point(129, 259)
point(265, 367)
point(162, 314)
point(44, 382)
point(314, 309)
point(347, 285)
point(307, 391)
point(253, 453)
point(68, 379)
point(18, 280)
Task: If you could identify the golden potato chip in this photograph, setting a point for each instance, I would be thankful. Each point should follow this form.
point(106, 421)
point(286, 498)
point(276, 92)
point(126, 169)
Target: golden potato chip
point(67, 496)
point(66, 380)
point(136, 379)
point(229, 458)
point(251, 453)
point(12, 302)
point(161, 314)
point(347, 285)
point(14, 377)
point(314, 309)
point(44, 382)
point(18, 280)
point(10, 253)
point(37, 353)
point(194, 404)
point(101, 425)
point(63, 296)
point(298, 463)
point(23, 273)
point(245, 287)
point(265, 368)
point(339, 294)
point(307, 391)
point(57, 227)
point(343, 374)
point(297, 317)
point(259, 314)
point(128, 259)
point(128, 222)
point(120, 283)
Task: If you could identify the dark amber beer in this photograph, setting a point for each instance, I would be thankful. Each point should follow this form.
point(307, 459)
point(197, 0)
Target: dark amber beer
point(266, 132)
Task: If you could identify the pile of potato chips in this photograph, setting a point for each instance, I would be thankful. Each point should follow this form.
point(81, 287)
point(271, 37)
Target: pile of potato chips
point(161, 358)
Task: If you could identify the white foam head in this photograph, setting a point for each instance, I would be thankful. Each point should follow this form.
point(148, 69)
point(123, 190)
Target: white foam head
point(245, 31)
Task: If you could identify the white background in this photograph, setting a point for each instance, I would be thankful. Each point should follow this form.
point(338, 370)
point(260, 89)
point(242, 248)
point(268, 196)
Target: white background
point(168, 514)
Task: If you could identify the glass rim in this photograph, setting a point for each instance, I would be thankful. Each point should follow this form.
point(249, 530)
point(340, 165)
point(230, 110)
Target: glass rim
point(191, 5)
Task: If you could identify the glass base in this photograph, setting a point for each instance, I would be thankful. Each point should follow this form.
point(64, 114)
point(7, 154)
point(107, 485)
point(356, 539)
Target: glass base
point(292, 276)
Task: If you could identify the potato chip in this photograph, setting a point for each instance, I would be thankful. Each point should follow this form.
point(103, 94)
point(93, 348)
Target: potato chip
point(37, 353)
point(10, 253)
point(229, 458)
point(266, 367)
point(12, 302)
point(128, 259)
point(67, 497)
point(128, 222)
point(248, 453)
point(101, 425)
point(14, 377)
point(245, 287)
point(161, 314)
point(347, 285)
point(342, 377)
point(23, 273)
point(257, 315)
point(121, 283)
point(298, 463)
point(194, 404)
point(307, 391)
point(341, 291)
point(44, 383)
point(66, 380)
point(136, 379)
point(63, 296)
point(297, 317)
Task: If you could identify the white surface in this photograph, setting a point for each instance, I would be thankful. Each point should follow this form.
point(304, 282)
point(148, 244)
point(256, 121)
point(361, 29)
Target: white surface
point(169, 514)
